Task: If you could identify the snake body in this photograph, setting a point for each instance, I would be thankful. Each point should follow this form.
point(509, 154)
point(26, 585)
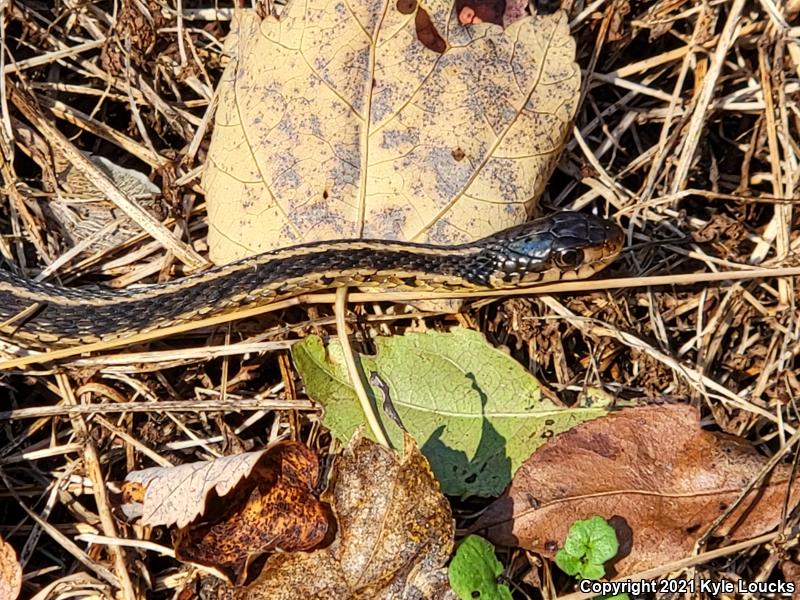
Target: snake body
point(563, 246)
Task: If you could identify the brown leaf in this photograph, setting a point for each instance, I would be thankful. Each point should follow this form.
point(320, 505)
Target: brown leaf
point(238, 508)
point(395, 534)
point(653, 472)
point(136, 26)
point(791, 573)
point(10, 572)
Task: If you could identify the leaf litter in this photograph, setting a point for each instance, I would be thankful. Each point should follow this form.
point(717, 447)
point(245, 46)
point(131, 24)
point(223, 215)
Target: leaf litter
point(232, 510)
point(395, 533)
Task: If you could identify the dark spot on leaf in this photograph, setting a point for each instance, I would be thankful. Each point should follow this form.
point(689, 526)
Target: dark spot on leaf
point(551, 545)
point(406, 7)
point(692, 528)
point(549, 422)
point(324, 194)
point(603, 445)
point(427, 34)
point(458, 154)
point(723, 506)
point(472, 478)
point(547, 434)
point(476, 594)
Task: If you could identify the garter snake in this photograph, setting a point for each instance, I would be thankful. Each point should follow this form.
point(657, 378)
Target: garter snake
point(562, 246)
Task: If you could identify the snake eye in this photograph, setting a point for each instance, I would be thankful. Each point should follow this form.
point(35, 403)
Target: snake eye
point(568, 259)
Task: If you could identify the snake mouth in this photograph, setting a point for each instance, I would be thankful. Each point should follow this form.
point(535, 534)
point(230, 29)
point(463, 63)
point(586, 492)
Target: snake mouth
point(605, 252)
point(612, 244)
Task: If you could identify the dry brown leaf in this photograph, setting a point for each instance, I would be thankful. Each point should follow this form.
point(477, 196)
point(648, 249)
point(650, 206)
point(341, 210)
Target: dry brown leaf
point(10, 572)
point(136, 27)
point(653, 472)
point(791, 573)
point(235, 509)
point(336, 122)
point(395, 534)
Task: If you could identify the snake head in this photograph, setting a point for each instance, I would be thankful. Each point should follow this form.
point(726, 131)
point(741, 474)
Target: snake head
point(563, 246)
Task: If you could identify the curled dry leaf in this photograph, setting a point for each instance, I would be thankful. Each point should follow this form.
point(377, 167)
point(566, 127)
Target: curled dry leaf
point(10, 572)
point(395, 534)
point(130, 181)
point(653, 473)
point(235, 509)
point(82, 211)
point(136, 27)
point(334, 121)
point(791, 572)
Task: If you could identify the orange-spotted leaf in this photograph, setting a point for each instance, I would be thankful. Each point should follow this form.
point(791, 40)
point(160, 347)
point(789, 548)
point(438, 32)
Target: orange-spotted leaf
point(395, 533)
point(236, 509)
point(10, 572)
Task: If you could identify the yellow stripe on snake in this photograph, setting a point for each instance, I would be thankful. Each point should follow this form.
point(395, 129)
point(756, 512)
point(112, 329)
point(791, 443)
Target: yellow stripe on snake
point(562, 246)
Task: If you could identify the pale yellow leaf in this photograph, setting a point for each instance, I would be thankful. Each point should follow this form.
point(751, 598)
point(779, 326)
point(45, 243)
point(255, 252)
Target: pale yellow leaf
point(336, 122)
point(177, 495)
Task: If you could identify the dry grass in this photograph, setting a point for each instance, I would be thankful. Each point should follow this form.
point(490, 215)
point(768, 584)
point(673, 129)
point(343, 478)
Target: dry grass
point(689, 136)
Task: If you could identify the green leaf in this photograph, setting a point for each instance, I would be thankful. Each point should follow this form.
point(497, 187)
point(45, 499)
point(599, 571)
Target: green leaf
point(592, 571)
point(571, 565)
point(593, 539)
point(475, 412)
point(589, 544)
point(593, 396)
point(474, 569)
point(577, 542)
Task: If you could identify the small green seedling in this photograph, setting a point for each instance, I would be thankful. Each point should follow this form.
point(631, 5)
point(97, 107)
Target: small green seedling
point(474, 570)
point(589, 545)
